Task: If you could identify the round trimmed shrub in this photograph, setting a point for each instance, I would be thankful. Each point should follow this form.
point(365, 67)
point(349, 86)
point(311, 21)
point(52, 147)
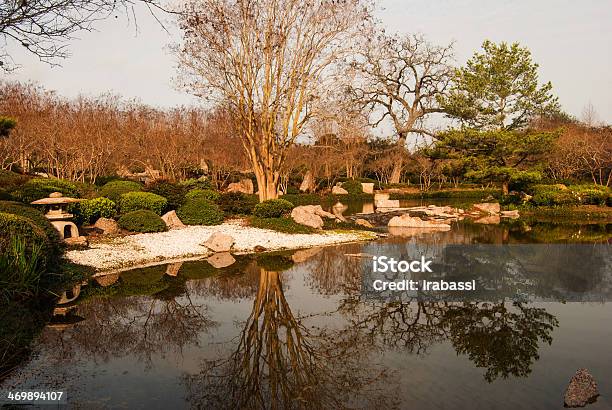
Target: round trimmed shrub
point(134, 201)
point(114, 189)
point(207, 194)
point(143, 220)
point(15, 226)
point(39, 188)
point(88, 211)
point(353, 187)
point(174, 193)
point(200, 211)
point(272, 208)
point(37, 217)
point(237, 203)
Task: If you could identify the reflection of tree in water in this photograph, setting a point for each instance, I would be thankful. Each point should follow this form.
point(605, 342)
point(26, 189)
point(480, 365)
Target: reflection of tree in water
point(129, 326)
point(279, 362)
point(503, 340)
point(331, 273)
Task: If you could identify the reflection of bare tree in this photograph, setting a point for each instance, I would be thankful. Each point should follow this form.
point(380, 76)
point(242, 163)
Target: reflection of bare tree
point(279, 362)
point(230, 286)
point(332, 273)
point(122, 326)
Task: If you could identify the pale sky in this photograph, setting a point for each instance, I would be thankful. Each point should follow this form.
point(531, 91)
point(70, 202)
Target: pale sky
point(572, 42)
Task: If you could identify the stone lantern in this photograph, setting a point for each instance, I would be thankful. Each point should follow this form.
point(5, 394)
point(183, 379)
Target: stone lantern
point(60, 218)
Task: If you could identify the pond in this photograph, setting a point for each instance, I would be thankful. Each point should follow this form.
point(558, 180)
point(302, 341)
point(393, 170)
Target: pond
point(294, 330)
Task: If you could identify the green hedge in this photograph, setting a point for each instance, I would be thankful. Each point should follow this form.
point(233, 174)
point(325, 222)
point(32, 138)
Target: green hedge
point(237, 203)
point(557, 195)
point(89, 210)
point(273, 208)
point(207, 194)
point(193, 183)
point(286, 225)
point(134, 201)
point(200, 211)
point(174, 193)
point(144, 221)
point(114, 189)
point(38, 188)
point(353, 187)
point(37, 217)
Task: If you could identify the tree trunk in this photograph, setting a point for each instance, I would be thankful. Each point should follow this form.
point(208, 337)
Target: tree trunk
point(396, 174)
point(267, 183)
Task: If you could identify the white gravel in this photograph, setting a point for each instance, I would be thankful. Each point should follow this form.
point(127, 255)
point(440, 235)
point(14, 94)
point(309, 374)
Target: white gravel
point(144, 248)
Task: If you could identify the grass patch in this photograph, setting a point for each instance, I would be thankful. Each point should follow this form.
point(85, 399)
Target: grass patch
point(285, 225)
point(581, 213)
point(330, 224)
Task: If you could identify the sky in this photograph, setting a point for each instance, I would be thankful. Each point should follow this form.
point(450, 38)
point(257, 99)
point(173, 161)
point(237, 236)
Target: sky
point(571, 41)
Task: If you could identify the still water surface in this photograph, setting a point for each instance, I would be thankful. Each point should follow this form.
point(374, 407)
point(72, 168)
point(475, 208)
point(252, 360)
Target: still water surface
point(292, 330)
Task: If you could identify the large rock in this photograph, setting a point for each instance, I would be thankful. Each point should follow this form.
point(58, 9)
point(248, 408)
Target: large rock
point(367, 187)
point(510, 214)
point(582, 390)
point(107, 226)
point(363, 222)
point(305, 215)
point(338, 190)
point(308, 184)
point(172, 221)
point(245, 186)
point(221, 260)
point(219, 242)
point(492, 208)
point(407, 221)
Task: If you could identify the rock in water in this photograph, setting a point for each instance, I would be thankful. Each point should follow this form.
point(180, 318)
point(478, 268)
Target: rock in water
point(219, 242)
point(107, 226)
point(492, 208)
point(510, 214)
point(172, 221)
point(408, 221)
point(221, 260)
point(582, 390)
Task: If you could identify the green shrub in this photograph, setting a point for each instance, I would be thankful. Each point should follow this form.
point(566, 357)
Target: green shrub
point(286, 225)
point(200, 211)
point(521, 180)
point(207, 194)
point(237, 203)
point(5, 195)
point(303, 199)
point(552, 195)
point(34, 238)
point(193, 183)
point(22, 266)
point(143, 220)
point(89, 210)
point(38, 188)
point(292, 190)
point(591, 194)
point(273, 208)
point(38, 218)
point(135, 201)
point(174, 193)
point(9, 180)
point(114, 189)
point(353, 187)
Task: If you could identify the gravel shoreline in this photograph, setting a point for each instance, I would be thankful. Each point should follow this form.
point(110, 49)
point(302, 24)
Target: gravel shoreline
point(133, 250)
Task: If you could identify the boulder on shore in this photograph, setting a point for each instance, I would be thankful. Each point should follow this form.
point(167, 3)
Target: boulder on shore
point(245, 186)
point(108, 226)
point(172, 221)
point(338, 190)
point(510, 214)
point(305, 215)
point(491, 208)
point(219, 242)
point(407, 221)
point(364, 223)
point(582, 389)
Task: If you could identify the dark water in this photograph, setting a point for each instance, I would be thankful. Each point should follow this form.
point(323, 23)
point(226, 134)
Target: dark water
point(292, 331)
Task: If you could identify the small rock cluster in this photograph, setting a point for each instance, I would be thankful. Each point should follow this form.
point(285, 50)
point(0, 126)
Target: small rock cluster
point(311, 215)
point(582, 390)
point(221, 244)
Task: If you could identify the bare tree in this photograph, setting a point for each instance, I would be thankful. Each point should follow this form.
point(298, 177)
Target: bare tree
point(268, 61)
point(44, 26)
point(401, 79)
